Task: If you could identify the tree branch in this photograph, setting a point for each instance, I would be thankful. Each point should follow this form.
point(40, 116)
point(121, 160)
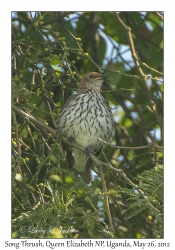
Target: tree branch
point(131, 148)
point(160, 16)
point(111, 226)
point(140, 71)
point(74, 145)
point(18, 147)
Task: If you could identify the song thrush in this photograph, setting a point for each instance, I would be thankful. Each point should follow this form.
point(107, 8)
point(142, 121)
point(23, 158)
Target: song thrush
point(85, 117)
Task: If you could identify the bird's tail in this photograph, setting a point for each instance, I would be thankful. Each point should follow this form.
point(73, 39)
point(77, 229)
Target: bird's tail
point(83, 165)
point(87, 176)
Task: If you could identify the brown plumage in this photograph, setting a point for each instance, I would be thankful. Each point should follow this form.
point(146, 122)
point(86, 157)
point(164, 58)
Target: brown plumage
point(85, 117)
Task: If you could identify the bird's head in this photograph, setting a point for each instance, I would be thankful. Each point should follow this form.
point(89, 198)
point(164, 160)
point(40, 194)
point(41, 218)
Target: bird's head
point(91, 81)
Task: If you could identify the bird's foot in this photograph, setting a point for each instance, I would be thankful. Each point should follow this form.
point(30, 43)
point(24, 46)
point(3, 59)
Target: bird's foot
point(70, 139)
point(89, 151)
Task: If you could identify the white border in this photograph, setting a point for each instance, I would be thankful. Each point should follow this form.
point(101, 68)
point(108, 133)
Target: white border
point(5, 96)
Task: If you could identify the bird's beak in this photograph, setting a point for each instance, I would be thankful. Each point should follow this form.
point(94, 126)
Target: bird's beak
point(105, 77)
point(102, 77)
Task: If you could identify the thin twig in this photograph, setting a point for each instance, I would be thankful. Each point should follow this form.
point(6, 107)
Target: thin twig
point(91, 156)
point(104, 189)
point(91, 203)
point(35, 121)
point(138, 66)
point(159, 15)
point(25, 145)
point(18, 147)
point(156, 71)
point(131, 148)
point(134, 102)
point(14, 61)
point(124, 176)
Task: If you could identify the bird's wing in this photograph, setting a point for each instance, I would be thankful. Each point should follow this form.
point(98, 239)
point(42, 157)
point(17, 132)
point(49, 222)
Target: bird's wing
point(69, 155)
point(67, 103)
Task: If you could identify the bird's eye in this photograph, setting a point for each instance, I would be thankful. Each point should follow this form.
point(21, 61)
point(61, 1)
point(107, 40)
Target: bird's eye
point(91, 76)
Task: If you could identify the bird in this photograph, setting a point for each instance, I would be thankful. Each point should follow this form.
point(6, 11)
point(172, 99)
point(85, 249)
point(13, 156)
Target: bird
point(86, 117)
